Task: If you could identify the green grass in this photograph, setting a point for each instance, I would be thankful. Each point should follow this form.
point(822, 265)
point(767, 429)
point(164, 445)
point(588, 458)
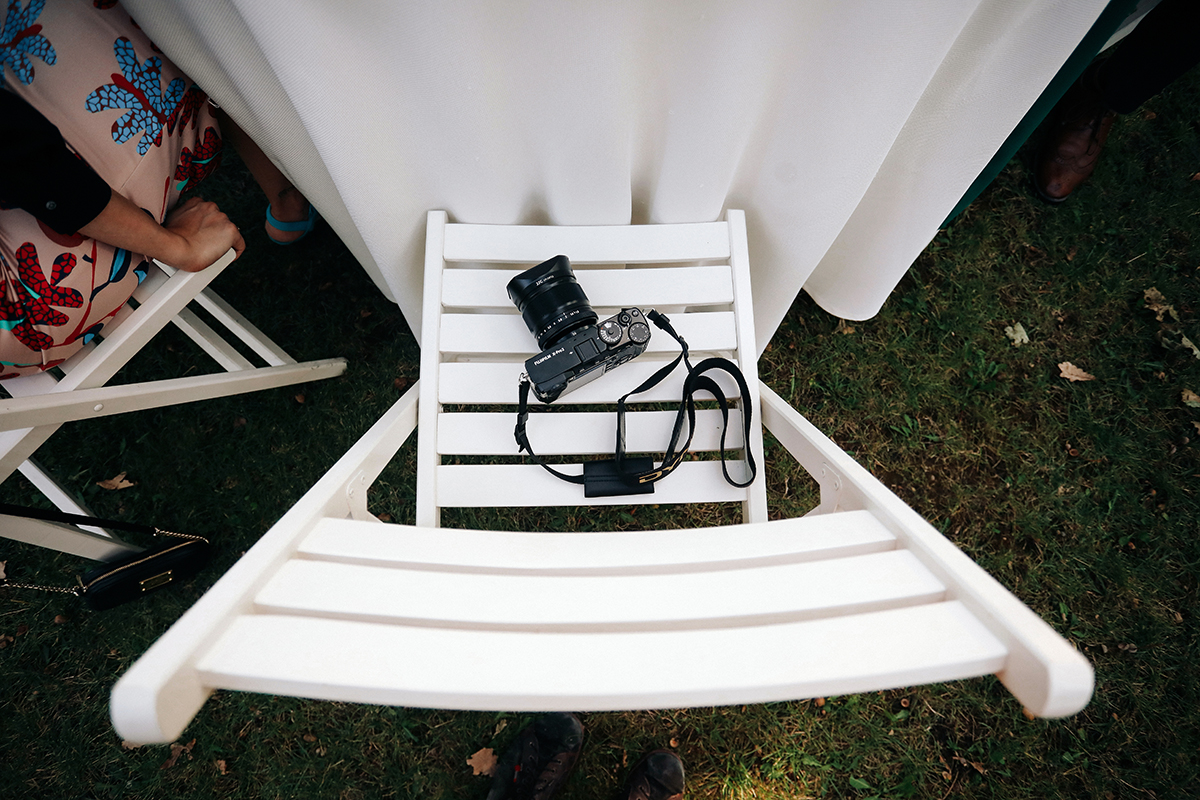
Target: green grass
point(1080, 497)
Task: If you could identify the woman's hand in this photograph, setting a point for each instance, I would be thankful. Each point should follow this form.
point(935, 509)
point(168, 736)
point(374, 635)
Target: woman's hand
point(206, 234)
point(196, 233)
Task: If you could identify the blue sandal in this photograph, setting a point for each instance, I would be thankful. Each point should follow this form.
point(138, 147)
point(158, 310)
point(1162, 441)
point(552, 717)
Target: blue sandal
point(305, 225)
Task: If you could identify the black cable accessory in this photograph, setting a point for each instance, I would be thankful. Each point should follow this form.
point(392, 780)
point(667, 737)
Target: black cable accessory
point(623, 475)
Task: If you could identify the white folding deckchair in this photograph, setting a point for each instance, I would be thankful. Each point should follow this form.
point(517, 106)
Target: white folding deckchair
point(38, 404)
point(861, 594)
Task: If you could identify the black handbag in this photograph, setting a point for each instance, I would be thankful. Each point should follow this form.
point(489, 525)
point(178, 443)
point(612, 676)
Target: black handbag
point(176, 558)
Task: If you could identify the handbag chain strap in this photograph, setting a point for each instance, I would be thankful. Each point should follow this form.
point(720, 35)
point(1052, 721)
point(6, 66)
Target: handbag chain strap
point(5, 583)
point(82, 519)
point(79, 519)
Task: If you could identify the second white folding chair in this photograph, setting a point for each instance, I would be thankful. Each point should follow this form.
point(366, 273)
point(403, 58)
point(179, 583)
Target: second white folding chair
point(38, 404)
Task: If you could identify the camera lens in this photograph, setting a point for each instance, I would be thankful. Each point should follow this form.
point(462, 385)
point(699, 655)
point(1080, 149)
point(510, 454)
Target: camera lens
point(551, 301)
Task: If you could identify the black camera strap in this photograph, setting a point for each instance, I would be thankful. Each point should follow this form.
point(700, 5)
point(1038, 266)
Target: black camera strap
point(625, 473)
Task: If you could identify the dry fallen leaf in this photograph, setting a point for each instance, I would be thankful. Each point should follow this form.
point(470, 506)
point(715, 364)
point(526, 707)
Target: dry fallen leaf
point(2, 574)
point(1190, 345)
point(176, 751)
point(975, 765)
point(1073, 373)
point(117, 482)
point(1159, 305)
point(483, 762)
point(1017, 334)
point(1190, 398)
point(221, 766)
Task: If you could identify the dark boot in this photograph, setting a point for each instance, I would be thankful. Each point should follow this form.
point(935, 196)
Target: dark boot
point(1079, 126)
point(658, 776)
point(536, 765)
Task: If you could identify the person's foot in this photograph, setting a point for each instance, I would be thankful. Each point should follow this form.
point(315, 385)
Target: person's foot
point(290, 217)
point(1078, 129)
point(536, 765)
point(658, 776)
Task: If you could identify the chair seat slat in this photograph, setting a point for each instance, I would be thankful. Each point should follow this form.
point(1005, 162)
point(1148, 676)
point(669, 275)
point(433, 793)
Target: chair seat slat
point(754, 595)
point(492, 670)
point(793, 540)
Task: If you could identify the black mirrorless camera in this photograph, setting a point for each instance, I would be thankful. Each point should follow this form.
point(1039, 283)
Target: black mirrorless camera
point(575, 349)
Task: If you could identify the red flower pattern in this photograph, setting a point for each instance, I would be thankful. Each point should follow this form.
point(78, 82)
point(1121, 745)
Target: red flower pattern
point(195, 166)
point(36, 296)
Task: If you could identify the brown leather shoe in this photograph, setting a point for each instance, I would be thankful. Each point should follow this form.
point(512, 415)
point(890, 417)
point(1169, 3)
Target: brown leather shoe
point(658, 776)
point(537, 763)
point(1078, 129)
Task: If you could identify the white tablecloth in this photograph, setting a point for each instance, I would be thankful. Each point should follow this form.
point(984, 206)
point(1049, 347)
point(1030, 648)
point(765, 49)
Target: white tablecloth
point(847, 129)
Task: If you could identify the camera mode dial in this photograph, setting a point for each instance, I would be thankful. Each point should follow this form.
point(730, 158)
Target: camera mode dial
point(610, 332)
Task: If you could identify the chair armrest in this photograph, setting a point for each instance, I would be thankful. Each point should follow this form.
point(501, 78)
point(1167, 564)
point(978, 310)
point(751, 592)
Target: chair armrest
point(1043, 670)
point(157, 698)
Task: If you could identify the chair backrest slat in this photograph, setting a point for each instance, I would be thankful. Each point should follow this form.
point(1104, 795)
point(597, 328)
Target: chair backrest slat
point(506, 333)
point(584, 433)
point(494, 383)
point(663, 289)
point(530, 486)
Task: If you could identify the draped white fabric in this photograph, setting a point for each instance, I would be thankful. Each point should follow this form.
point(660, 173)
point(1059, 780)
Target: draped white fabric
point(847, 130)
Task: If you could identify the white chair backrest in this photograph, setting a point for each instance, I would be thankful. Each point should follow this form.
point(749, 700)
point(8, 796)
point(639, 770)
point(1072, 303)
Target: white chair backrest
point(474, 345)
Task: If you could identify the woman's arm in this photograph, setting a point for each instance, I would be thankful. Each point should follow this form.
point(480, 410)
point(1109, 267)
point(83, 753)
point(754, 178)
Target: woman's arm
point(41, 176)
point(196, 233)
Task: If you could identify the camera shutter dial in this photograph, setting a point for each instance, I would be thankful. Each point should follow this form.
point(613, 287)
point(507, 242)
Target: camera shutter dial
point(639, 333)
point(610, 332)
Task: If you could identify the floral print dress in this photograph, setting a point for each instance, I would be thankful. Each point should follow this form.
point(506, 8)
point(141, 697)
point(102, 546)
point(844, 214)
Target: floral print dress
point(137, 121)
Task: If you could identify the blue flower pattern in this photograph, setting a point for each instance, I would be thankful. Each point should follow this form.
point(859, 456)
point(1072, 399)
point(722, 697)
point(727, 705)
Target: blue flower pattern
point(138, 89)
point(21, 38)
